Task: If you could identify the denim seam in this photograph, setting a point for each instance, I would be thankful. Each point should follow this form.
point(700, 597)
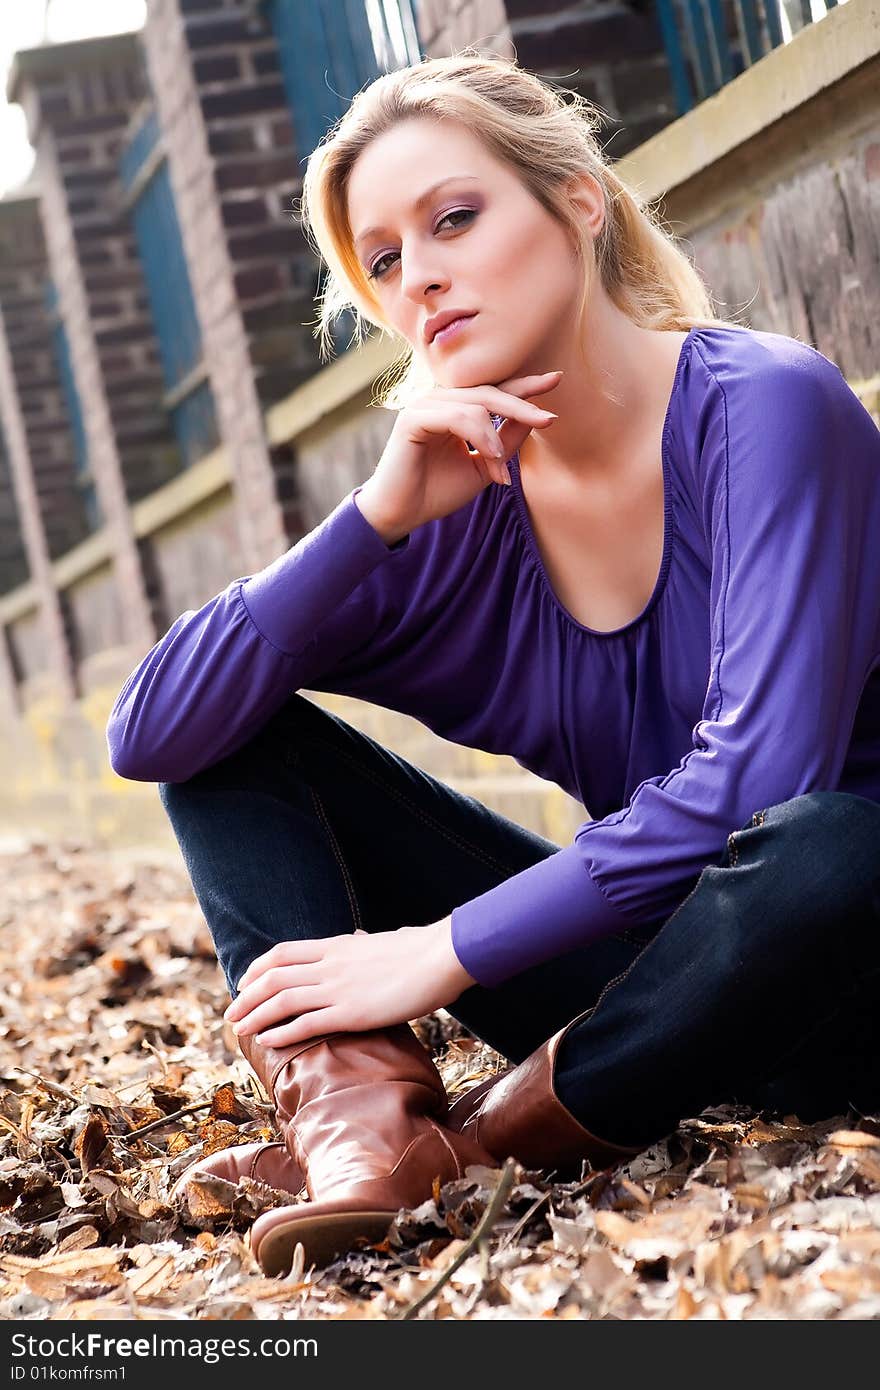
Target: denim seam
point(346, 878)
point(609, 984)
point(733, 842)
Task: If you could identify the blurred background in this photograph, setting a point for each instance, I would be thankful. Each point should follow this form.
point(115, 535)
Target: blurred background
point(165, 422)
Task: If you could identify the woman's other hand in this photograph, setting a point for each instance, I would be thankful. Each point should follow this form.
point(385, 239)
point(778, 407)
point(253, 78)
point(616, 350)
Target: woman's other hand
point(444, 449)
point(345, 984)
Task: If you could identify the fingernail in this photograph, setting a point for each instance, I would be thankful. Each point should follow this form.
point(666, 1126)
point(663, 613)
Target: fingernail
point(237, 1027)
point(548, 415)
point(507, 477)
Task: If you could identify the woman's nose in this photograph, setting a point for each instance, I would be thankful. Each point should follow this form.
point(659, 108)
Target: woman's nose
point(418, 276)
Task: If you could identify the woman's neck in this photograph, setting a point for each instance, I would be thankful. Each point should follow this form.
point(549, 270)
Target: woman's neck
point(609, 400)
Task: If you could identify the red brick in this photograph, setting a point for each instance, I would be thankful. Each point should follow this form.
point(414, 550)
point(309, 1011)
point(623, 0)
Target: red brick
point(221, 67)
point(258, 281)
point(240, 212)
point(244, 101)
point(588, 40)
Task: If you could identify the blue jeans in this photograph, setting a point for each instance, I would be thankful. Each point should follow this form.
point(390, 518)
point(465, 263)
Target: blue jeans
point(762, 988)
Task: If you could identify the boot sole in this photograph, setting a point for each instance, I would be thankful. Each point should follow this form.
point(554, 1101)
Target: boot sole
point(323, 1236)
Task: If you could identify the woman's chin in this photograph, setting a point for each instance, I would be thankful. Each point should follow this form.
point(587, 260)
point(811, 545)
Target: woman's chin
point(486, 372)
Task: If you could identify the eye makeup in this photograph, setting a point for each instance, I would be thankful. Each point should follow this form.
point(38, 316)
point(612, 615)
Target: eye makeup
point(468, 215)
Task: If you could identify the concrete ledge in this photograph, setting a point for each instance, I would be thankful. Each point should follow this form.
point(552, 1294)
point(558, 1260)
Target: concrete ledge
point(784, 80)
point(330, 389)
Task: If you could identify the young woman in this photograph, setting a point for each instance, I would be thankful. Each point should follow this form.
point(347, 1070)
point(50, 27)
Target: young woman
point(662, 593)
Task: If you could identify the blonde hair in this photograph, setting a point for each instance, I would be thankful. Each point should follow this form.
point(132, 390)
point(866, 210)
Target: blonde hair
point(547, 140)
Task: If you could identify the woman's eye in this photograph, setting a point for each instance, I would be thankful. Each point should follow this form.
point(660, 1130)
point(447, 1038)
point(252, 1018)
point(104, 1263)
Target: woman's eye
point(456, 212)
point(377, 273)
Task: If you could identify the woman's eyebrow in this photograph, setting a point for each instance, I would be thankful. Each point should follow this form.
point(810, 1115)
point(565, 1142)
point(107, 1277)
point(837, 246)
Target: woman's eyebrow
point(418, 204)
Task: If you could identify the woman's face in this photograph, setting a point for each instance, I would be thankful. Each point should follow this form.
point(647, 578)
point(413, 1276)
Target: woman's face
point(479, 243)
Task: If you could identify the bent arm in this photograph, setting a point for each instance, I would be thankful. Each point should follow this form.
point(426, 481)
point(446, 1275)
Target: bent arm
point(220, 672)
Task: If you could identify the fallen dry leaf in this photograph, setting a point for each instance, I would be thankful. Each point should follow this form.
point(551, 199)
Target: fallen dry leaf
point(112, 1020)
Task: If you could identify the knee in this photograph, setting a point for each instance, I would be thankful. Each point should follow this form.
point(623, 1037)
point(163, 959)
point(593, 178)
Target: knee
point(274, 749)
point(828, 838)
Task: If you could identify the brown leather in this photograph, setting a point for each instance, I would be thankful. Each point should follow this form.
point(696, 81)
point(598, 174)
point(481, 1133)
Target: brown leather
point(518, 1114)
point(270, 1163)
point(267, 1163)
point(369, 1133)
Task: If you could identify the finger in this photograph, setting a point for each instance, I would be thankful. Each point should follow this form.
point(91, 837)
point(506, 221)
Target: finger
point(488, 459)
point(306, 1026)
point(500, 402)
point(469, 423)
point(257, 997)
point(520, 386)
point(531, 385)
point(289, 1003)
point(273, 981)
point(512, 435)
point(474, 427)
point(284, 953)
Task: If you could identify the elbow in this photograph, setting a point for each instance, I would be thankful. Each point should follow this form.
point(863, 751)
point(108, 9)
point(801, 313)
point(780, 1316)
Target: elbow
point(126, 758)
point(136, 764)
point(126, 764)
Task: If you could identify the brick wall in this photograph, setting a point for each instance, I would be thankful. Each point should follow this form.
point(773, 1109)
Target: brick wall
point(199, 555)
point(232, 165)
point(237, 95)
point(611, 53)
point(13, 559)
point(78, 99)
point(36, 383)
point(333, 461)
point(785, 229)
point(255, 156)
point(83, 96)
point(20, 407)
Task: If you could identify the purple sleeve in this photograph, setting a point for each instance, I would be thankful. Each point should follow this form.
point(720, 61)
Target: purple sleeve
point(221, 672)
point(790, 477)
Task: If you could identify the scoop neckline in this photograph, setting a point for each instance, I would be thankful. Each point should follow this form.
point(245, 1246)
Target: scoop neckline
point(668, 520)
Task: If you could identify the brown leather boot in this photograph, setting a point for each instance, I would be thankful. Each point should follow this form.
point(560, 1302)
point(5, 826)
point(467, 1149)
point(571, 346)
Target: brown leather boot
point(518, 1114)
point(269, 1163)
point(369, 1133)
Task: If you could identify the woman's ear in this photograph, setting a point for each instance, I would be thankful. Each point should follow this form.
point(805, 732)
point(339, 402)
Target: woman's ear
point(587, 192)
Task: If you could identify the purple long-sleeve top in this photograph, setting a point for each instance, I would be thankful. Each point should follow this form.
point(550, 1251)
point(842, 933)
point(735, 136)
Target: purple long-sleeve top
point(751, 676)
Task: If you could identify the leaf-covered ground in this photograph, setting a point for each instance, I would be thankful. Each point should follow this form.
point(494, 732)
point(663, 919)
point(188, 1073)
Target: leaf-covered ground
point(117, 1070)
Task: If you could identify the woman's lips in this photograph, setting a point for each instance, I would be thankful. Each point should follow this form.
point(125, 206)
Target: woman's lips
point(452, 329)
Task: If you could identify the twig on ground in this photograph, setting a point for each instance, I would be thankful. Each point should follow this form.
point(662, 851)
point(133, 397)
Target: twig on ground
point(512, 1234)
point(487, 1221)
point(157, 1124)
point(50, 1086)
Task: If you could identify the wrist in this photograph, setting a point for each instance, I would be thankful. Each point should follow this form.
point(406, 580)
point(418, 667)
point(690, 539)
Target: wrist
point(390, 529)
point(450, 967)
